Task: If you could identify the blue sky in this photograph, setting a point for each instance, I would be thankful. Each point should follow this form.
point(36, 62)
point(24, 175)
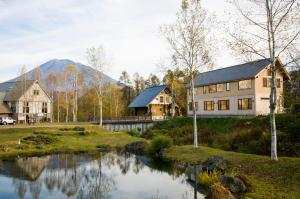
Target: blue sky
point(35, 31)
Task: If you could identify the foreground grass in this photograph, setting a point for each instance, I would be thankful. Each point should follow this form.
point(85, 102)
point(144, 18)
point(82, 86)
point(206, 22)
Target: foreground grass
point(270, 179)
point(66, 141)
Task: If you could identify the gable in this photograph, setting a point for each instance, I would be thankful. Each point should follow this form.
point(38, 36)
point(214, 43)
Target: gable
point(145, 97)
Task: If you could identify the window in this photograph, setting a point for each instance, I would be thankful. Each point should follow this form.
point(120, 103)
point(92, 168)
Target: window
point(44, 107)
point(26, 107)
point(266, 82)
point(205, 89)
point(221, 87)
point(245, 104)
point(223, 104)
point(228, 86)
point(209, 105)
point(191, 106)
point(212, 88)
point(245, 84)
point(278, 83)
point(36, 92)
point(161, 99)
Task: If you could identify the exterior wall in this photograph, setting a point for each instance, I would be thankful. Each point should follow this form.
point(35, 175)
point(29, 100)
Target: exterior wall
point(159, 109)
point(35, 104)
point(232, 95)
point(262, 94)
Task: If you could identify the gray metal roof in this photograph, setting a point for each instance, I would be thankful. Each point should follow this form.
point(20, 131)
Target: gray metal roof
point(143, 99)
point(237, 72)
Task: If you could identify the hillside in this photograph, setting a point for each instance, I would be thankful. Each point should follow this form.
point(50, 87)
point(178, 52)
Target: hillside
point(57, 66)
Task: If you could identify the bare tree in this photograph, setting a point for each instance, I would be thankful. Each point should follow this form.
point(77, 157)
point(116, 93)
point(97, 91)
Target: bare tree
point(23, 78)
point(188, 41)
point(97, 59)
point(267, 29)
point(37, 73)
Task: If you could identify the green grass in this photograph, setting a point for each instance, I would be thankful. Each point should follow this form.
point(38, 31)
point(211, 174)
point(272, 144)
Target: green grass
point(270, 179)
point(69, 141)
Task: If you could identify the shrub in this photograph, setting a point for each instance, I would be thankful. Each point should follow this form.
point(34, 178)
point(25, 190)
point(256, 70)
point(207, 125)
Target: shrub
point(295, 108)
point(208, 179)
point(218, 191)
point(134, 133)
point(78, 128)
point(158, 145)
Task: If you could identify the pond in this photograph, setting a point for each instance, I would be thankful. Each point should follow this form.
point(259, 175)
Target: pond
point(107, 175)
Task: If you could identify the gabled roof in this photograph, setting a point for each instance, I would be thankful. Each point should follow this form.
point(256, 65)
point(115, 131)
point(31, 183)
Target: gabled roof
point(14, 90)
point(237, 72)
point(3, 107)
point(145, 97)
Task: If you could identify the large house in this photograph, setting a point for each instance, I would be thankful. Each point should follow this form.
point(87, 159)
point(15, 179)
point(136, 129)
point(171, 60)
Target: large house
point(155, 102)
point(240, 90)
point(25, 100)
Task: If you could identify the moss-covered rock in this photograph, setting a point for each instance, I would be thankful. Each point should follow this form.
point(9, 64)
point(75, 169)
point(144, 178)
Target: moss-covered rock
point(218, 191)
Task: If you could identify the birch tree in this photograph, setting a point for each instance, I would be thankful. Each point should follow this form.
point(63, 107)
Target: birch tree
point(266, 29)
point(97, 59)
point(23, 79)
point(187, 38)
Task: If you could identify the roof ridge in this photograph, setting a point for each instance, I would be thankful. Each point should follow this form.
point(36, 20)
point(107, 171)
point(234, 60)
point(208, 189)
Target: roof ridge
point(234, 66)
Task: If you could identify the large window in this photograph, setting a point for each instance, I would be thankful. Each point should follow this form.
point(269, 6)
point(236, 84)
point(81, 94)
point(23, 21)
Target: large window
point(245, 84)
point(26, 107)
point(223, 104)
point(212, 88)
point(44, 107)
point(209, 105)
point(245, 104)
point(191, 106)
point(221, 87)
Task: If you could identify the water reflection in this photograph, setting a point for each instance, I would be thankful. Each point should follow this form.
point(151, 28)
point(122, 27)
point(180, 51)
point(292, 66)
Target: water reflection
point(102, 176)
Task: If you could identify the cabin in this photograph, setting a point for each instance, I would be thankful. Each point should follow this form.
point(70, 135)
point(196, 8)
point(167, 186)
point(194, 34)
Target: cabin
point(25, 101)
point(240, 90)
point(155, 102)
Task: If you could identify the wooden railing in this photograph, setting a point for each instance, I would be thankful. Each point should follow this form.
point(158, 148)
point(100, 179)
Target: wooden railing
point(127, 118)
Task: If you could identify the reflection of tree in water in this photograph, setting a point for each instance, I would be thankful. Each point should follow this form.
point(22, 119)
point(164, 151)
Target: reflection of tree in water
point(35, 188)
point(20, 187)
point(97, 184)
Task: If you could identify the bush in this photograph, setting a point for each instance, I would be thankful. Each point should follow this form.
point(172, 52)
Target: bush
point(134, 133)
point(218, 191)
point(78, 128)
point(295, 108)
point(158, 145)
point(208, 179)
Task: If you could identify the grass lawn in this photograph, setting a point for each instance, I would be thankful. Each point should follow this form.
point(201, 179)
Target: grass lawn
point(269, 179)
point(66, 140)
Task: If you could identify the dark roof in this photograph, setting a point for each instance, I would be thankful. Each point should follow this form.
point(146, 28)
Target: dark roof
point(237, 72)
point(3, 107)
point(14, 90)
point(145, 97)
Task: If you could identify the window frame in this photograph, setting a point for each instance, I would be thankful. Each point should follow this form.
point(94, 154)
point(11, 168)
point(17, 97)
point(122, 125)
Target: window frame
point(227, 86)
point(244, 81)
point(212, 85)
point(206, 105)
point(44, 107)
point(227, 105)
point(249, 104)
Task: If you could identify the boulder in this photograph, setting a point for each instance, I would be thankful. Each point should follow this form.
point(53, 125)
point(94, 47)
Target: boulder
point(218, 191)
point(214, 162)
point(234, 184)
point(136, 147)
